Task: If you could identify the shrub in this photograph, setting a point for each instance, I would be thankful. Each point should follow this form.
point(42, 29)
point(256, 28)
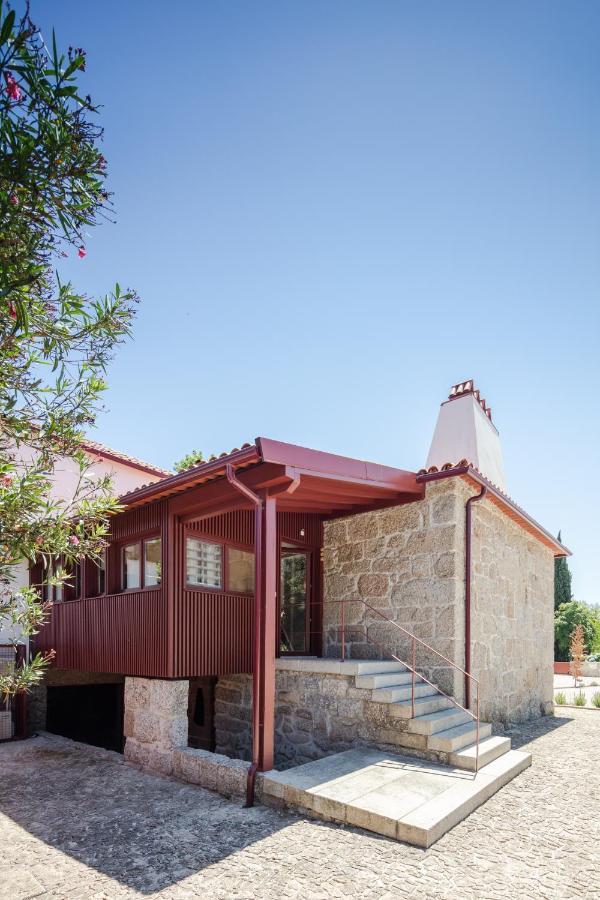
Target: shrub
point(596, 699)
point(580, 699)
point(561, 698)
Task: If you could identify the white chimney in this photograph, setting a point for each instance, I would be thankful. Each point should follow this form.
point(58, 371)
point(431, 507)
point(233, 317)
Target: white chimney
point(465, 430)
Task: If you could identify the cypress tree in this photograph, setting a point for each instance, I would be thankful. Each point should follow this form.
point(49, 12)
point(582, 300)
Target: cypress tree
point(562, 580)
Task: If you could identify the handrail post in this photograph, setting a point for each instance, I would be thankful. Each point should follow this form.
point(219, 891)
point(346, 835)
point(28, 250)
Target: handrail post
point(412, 692)
point(477, 748)
point(343, 630)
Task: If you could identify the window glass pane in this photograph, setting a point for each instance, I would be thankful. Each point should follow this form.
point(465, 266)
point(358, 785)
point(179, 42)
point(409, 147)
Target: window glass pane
point(152, 562)
point(204, 563)
point(240, 570)
point(131, 566)
point(101, 567)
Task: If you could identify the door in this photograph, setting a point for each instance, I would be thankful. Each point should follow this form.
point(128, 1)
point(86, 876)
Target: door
point(294, 604)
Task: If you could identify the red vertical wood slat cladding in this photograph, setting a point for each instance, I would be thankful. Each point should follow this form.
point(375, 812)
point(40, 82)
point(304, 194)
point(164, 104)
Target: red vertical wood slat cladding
point(121, 633)
point(290, 526)
point(236, 527)
point(218, 631)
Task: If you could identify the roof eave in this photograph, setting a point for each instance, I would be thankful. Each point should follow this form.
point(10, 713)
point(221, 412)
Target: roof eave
point(534, 527)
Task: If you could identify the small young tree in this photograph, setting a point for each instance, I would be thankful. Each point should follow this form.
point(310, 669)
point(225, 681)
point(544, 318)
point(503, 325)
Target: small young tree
point(562, 580)
point(577, 650)
point(54, 342)
point(189, 460)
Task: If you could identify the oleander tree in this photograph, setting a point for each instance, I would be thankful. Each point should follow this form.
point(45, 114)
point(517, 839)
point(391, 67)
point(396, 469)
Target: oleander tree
point(55, 343)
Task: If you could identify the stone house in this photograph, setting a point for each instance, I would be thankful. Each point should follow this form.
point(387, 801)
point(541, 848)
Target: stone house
point(277, 604)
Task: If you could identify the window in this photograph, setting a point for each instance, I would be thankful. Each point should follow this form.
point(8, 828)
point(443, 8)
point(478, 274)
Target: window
point(53, 592)
point(130, 555)
point(136, 575)
point(152, 562)
point(101, 574)
point(204, 563)
point(240, 570)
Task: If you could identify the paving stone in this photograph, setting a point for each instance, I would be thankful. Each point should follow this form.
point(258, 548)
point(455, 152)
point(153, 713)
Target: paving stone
point(81, 823)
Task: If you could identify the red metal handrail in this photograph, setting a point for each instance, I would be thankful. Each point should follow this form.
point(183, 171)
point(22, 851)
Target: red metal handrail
point(412, 668)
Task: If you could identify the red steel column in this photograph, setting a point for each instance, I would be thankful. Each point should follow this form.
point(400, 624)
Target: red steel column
point(269, 633)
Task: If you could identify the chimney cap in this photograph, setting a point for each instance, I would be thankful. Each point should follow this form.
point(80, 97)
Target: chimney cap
point(463, 388)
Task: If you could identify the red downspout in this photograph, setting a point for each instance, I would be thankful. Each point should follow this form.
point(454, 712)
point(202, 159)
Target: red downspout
point(257, 711)
point(468, 528)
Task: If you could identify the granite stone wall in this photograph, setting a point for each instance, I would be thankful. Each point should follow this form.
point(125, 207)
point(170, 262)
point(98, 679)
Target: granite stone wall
point(156, 728)
point(316, 713)
point(408, 563)
point(512, 618)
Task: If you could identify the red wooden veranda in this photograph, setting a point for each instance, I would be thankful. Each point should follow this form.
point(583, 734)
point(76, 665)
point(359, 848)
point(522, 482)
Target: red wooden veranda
point(273, 477)
point(262, 494)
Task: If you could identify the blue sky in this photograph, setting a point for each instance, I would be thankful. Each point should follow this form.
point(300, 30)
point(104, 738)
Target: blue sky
point(334, 211)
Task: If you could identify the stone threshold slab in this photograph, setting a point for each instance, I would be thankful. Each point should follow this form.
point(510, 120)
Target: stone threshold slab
point(334, 666)
point(400, 797)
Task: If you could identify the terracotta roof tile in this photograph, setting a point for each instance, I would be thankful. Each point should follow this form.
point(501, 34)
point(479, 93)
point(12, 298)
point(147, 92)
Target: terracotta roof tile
point(109, 453)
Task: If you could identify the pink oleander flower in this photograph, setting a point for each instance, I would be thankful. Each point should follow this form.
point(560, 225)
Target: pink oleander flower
point(6, 481)
point(39, 540)
point(81, 252)
point(12, 88)
point(73, 539)
point(13, 199)
point(12, 310)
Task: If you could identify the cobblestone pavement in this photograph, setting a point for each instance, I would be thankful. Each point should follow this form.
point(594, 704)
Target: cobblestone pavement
point(76, 822)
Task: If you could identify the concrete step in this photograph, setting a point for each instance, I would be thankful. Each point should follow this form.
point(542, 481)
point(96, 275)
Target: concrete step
point(392, 694)
point(489, 749)
point(387, 679)
point(402, 709)
point(458, 737)
point(441, 720)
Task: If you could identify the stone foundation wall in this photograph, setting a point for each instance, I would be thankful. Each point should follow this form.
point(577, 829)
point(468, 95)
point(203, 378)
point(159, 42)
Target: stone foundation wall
point(407, 562)
point(316, 713)
point(156, 728)
point(512, 618)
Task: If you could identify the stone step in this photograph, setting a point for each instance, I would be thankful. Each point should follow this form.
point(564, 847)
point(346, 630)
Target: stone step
point(401, 797)
point(392, 694)
point(402, 709)
point(371, 666)
point(441, 720)
point(387, 679)
point(458, 737)
point(489, 749)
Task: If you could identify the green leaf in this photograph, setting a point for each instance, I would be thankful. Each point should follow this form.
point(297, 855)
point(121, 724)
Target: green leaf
point(7, 27)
